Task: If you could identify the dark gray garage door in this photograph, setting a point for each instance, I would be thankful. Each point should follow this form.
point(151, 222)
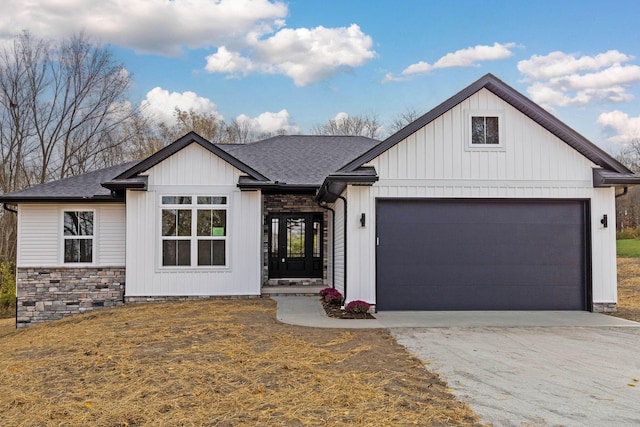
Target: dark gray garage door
point(481, 255)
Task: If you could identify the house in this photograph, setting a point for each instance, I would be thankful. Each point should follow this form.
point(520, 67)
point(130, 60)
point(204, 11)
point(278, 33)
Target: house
point(487, 202)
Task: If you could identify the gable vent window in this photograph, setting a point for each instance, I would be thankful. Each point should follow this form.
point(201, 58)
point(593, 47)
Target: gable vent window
point(194, 231)
point(485, 130)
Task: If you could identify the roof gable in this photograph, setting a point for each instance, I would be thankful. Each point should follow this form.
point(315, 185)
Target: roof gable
point(178, 145)
point(515, 99)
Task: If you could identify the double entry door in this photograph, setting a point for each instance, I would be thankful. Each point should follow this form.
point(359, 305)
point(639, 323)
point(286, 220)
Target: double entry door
point(295, 245)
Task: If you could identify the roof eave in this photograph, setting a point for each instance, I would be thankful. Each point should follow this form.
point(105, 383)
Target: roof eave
point(603, 178)
point(139, 183)
point(113, 198)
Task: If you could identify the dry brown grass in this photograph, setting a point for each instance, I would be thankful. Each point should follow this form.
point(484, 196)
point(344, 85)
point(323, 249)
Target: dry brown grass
point(629, 288)
point(212, 363)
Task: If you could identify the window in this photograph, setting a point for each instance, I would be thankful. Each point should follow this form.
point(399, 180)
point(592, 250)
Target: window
point(78, 236)
point(485, 130)
point(194, 234)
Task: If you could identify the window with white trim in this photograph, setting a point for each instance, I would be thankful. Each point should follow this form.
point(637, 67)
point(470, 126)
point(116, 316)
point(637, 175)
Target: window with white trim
point(485, 130)
point(78, 236)
point(194, 231)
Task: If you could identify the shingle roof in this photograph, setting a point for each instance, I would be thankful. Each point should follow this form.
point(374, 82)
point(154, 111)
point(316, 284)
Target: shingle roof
point(300, 159)
point(85, 187)
point(289, 160)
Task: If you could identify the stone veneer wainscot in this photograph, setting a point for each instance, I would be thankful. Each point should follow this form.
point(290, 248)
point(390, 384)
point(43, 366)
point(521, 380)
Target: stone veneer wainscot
point(53, 293)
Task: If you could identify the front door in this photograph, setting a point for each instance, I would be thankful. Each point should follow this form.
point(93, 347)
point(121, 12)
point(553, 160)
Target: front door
point(295, 245)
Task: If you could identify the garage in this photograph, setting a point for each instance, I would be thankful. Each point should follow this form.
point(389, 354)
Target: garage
point(465, 254)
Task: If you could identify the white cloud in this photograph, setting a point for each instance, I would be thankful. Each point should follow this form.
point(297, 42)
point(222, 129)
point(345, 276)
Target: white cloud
point(560, 79)
point(468, 57)
point(224, 61)
point(157, 26)
point(270, 122)
point(305, 55)
point(619, 127)
point(558, 64)
point(160, 104)
point(248, 34)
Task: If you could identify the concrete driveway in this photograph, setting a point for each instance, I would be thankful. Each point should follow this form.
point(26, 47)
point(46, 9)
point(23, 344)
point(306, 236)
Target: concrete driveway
point(537, 376)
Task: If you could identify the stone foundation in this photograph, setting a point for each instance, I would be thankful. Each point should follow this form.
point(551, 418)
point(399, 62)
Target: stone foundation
point(53, 293)
point(605, 307)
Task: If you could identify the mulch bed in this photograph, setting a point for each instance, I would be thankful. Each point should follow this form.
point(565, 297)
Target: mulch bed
point(335, 312)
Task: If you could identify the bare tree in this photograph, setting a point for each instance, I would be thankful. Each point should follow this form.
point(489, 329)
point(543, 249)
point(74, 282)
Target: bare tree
point(363, 125)
point(60, 103)
point(403, 119)
point(62, 106)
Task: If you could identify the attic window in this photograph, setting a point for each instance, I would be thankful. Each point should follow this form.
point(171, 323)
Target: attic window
point(485, 130)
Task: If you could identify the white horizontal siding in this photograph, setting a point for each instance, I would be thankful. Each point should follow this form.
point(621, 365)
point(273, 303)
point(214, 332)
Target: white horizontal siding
point(112, 235)
point(338, 280)
point(40, 234)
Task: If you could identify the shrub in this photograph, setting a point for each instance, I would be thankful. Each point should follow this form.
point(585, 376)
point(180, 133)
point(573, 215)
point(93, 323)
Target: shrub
point(333, 297)
point(628, 233)
point(7, 288)
point(357, 306)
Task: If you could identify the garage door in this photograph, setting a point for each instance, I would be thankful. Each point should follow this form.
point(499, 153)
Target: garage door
point(481, 255)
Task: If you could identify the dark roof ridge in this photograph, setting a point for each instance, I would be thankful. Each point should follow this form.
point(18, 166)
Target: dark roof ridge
point(515, 99)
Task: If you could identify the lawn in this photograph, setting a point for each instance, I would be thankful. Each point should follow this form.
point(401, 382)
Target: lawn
point(628, 248)
point(213, 363)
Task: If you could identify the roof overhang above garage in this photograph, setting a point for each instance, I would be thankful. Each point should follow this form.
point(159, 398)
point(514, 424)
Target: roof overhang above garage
point(609, 178)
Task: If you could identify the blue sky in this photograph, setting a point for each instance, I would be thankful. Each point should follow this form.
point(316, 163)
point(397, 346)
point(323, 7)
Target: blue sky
point(298, 63)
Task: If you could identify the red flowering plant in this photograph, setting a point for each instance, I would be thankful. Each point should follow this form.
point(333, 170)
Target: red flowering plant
point(357, 306)
point(332, 296)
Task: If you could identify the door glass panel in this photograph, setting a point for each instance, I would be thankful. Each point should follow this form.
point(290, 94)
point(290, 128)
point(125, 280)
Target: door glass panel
point(316, 238)
point(295, 237)
point(275, 232)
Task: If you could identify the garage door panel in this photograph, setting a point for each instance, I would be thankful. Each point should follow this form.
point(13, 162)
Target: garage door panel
point(485, 255)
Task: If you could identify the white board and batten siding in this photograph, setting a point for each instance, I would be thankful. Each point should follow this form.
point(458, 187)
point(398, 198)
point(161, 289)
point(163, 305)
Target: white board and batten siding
point(193, 171)
point(435, 163)
point(40, 234)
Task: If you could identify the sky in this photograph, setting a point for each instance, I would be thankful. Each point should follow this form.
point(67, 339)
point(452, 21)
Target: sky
point(296, 64)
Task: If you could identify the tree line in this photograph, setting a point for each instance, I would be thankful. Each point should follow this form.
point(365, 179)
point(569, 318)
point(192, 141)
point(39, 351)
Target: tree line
point(64, 110)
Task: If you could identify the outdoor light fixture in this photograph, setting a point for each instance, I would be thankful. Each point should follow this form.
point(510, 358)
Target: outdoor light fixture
point(362, 220)
point(604, 221)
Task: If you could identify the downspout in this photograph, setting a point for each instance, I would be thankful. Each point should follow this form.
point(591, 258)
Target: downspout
point(346, 223)
point(333, 242)
point(625, 190)
point(7, 208)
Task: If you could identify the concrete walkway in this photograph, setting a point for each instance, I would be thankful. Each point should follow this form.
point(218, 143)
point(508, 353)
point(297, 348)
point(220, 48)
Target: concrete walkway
point(307, 311)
